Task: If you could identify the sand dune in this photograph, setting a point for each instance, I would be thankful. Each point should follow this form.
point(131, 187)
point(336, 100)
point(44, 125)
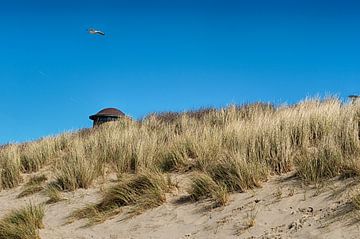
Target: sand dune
point(282, 208)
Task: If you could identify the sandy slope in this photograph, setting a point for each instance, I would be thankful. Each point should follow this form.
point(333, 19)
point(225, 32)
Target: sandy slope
point(281, 209)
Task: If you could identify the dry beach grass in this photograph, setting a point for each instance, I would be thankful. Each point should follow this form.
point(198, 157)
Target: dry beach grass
point(234, 149)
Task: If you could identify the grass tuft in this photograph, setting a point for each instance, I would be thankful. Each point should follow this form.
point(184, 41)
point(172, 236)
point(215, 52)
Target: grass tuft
point(10, 174)
point(318, 164)
point(22, 223)
point(33, 186)
point(238, 175)
point(75, 170)
point(203, 186)
point(30, 190)
point(53, 191)
point(356, 201)
point(36, 180)
point(143, 191)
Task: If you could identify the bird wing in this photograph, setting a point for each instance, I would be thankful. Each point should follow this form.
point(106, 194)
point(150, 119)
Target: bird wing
point(100, 32)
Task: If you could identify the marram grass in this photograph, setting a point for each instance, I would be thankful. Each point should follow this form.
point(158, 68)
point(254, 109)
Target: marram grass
point(238, 147)
point(142, 191)
point(22, 223)
point(34, 185)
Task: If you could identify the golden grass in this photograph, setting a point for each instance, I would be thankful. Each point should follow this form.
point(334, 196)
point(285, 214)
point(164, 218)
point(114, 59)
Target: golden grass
point(237, 174)
point(36, 180)
point(203, 186)
point(237, 147)
point(319, 164)
point(54, 194)
point(142, 191)
point(75, 169)
point(10, 174)
point(34, 155)
point(22, 223)
point(30, 190)
point(34, 185)
point(356, 201)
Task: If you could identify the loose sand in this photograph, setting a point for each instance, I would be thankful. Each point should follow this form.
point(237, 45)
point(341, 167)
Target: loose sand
point(280, 209)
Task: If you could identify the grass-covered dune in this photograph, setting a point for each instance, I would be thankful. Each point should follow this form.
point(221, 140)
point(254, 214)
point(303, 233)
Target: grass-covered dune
point(226, 150)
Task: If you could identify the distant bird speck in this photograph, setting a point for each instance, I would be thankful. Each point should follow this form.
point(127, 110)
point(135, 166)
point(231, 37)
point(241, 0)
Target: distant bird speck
point(94, 32)
point(43, 74)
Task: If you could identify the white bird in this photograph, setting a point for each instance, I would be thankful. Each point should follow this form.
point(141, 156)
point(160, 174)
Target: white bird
point(93, 31)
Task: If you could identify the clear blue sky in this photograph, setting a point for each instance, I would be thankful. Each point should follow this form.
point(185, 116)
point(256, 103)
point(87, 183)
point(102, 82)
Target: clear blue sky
point(167, 55)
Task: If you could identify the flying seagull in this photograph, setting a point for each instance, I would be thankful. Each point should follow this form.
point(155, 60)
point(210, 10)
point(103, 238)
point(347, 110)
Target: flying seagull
point(93, 31)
